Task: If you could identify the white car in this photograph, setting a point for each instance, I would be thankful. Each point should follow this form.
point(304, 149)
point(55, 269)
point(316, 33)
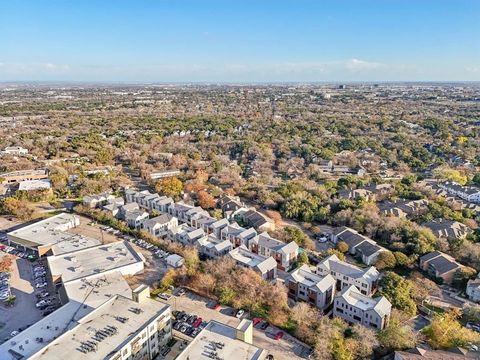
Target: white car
point(40, 285)
point(240, 313)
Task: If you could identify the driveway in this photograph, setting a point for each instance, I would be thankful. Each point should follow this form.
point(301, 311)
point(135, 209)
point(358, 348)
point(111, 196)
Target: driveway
point(286, 348)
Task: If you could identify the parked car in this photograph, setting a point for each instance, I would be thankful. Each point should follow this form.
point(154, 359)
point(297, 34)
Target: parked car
point(181, 292)
point(40, 285)
point(279, 335)
point(164, 296)
point(257, 321)
point(240, 313)
point(264, 325)
point(197, 322)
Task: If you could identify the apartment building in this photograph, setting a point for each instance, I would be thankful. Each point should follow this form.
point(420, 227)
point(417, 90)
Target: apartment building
point(357, 308)
point(304, 284)
point(119, 329)
point(346, 275)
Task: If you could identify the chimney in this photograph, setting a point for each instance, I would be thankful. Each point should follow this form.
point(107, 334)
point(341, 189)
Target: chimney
point(141, 293)
point(244, 331)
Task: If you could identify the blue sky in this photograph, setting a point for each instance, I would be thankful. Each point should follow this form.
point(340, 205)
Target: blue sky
point(239, 41)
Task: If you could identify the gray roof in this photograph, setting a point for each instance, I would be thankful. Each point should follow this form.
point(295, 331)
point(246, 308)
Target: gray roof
point(367, 248)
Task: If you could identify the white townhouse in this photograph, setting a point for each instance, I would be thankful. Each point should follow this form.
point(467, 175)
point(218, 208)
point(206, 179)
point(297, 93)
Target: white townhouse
point(238, 235)
point(265, 266)
point(212, 247)
point(136, 218)
point(467, 193)
point(303, 284)
point(284, 254)
point(356, 308)
point(159, 225)
point(346, 275)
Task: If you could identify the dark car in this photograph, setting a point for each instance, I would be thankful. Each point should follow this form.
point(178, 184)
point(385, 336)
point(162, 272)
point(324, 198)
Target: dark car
point(165, 351)
point(264, 325)
point(192, 319)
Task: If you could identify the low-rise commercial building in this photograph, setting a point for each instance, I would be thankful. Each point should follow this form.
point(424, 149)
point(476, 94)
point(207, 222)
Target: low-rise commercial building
point(50, 236)
point(226, 342)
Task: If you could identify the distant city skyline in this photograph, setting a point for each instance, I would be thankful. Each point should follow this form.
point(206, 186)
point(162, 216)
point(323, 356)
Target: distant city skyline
point(240, 41)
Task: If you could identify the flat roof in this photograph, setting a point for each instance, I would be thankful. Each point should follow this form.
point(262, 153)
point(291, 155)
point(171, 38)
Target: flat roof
point(28, 185)
point(93, 260)
point(106, 316)
point(84, 297)
point(53, 232)
point(215, 334)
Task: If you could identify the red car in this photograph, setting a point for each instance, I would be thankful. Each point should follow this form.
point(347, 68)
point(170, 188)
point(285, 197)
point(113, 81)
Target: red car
point(257, 321)
point(279, 335)
point(217, 307)
point(197, 322)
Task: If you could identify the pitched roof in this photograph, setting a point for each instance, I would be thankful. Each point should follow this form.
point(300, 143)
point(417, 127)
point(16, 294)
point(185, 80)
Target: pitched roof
point(333, 263)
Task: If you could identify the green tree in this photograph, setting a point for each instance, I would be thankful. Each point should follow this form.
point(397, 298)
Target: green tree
point(398, 334)
point(399, 292)
point(445, 331)
point(386, 260)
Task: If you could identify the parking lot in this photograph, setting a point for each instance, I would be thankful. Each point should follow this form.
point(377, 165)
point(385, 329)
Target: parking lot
point(263, 335)
point(23, 313)
point(155, 268)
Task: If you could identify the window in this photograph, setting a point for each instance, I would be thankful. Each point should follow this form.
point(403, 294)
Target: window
point(339, 310)
point(364, 285)
point(357, 318)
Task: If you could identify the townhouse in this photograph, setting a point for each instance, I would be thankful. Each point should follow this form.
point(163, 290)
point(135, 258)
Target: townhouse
point(440, 266)
point(358, 245)
point(346, 275)
point(473, 289)
point(284, 254)
point(304, 284)
point(237, 235)
point(356, 308)
point(136, 218)
point(159, 225)
point(257, 220)
point(229, 205)
point(467, 193)
point(124, 209)
point(265, 266)
point(448, 229)
point(185, 234)
point(212, 247)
